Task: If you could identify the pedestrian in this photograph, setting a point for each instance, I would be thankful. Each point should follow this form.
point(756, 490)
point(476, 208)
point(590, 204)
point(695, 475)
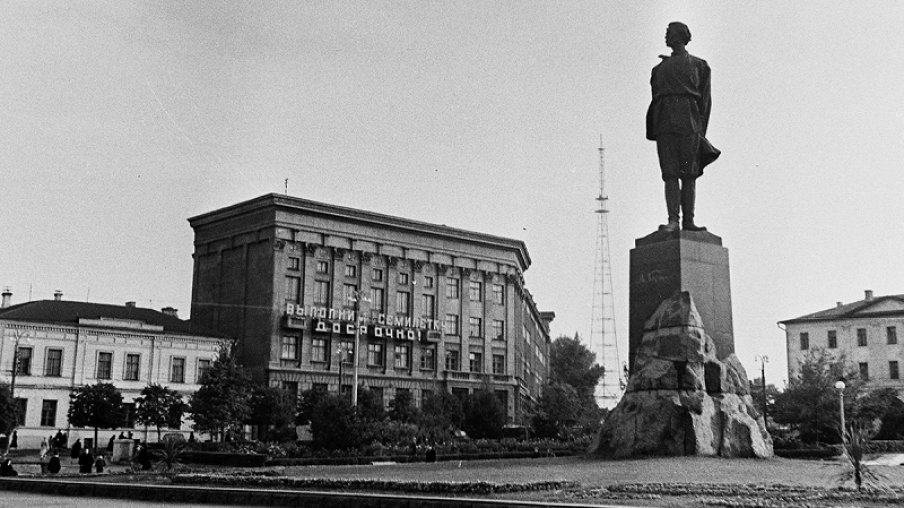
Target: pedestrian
point(59, 441)
point(15, 443)
point(144, 458)
point(99, 464)
point(76, 451)
point(191, 437)
point(43, 453)
point(85, 461)
point(6, 468)
point(53, 465)
point(122, 435)
point(110, 444)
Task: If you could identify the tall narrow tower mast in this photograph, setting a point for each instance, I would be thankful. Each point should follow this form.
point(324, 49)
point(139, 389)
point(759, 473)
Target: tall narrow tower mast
point(603, 339)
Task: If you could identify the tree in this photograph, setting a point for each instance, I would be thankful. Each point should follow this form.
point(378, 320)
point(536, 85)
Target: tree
point(272, 408)
point(370, 405)
point(570, 362)
point(756, 392)
point(402, 408)
point(559, 407)
point(307, 402)
point(810, 403)
point(334, 424)
point(222, 403)
point(484, 415)
point(8, 410)
point(98, 406)
point(440, 413)
point(158, 406)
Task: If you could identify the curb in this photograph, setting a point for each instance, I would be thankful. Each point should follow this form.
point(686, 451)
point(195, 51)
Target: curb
point(261, 497)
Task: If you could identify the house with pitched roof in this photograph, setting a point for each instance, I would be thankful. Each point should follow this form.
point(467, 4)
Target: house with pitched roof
point(865, 332)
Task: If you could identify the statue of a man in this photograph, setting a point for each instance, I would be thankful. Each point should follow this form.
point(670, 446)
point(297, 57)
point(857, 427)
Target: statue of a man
point(677, 121)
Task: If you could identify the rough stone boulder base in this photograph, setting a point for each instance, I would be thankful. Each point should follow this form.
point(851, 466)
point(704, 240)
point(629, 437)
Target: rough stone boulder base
point(680, 399)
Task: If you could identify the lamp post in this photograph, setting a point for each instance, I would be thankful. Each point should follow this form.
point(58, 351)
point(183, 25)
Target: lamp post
point(839, 385)
point(356, 297)
point(341, 361)
point(763, 359)
point(12, 389)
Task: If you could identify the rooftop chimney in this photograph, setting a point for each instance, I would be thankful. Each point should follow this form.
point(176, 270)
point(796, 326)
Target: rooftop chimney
point(170, 311)
point(839, 304)
point(130, 304)
point(57, 295)
point(869, 294)
point(7, 296)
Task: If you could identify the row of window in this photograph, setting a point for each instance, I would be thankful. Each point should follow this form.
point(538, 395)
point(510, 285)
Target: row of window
point(53, 365)
point(401, 357)
point(891, 337)
point(893, 372)
point(322, 294)
point(49, 413)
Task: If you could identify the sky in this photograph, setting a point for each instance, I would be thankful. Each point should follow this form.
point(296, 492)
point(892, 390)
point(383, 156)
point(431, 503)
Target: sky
point(119, 120)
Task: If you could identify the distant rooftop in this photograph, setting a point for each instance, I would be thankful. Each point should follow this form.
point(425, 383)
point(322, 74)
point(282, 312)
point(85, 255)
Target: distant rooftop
point(127, 317)
point(869, 307)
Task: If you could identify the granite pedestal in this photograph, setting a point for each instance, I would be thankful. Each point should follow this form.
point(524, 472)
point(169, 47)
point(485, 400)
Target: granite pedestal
point(663, 264)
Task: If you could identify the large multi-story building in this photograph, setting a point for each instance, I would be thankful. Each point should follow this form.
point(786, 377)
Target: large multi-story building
point(865, 332)
point(432, 307)
point(48, 347)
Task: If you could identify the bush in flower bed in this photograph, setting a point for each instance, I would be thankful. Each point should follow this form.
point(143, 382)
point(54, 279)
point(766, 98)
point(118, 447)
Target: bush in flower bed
point(268, 480)
point(826, 452)
point(751, 495)
point(890, 446)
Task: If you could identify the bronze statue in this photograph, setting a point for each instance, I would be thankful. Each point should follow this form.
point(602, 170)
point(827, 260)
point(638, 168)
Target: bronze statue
point(677, 121)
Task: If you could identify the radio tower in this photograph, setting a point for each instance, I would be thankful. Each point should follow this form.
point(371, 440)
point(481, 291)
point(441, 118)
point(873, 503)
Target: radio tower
point(603, 339)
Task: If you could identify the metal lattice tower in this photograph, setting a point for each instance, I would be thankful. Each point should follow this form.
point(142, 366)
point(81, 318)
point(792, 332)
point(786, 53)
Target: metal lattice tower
point(603, 339)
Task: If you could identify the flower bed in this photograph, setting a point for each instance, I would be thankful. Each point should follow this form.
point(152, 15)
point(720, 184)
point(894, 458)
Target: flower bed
point(269, 480)
point(420, 457)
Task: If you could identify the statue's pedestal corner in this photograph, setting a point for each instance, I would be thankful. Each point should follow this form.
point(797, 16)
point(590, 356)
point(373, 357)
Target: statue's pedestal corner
point(665, 236)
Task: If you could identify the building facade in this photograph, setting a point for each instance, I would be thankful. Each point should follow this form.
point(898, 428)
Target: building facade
point(866, 332)
point(299, 283)
point(48, 347)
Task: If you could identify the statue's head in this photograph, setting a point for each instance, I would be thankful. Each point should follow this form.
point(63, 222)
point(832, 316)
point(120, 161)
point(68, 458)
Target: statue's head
point(677, 32)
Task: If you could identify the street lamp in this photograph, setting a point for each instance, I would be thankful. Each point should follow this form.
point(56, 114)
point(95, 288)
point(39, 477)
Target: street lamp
point(839, 385)
point(763, 359)
point(356, 296)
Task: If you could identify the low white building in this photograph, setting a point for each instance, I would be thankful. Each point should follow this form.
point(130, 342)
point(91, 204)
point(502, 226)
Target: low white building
point(866, 332)
point(64, 344)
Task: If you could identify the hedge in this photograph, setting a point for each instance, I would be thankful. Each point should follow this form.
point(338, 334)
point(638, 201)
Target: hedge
point(809, 453)
point(223, 458)
point(360, 460)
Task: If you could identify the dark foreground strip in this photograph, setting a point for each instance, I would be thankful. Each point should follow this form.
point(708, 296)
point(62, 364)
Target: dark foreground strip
point(258, 497)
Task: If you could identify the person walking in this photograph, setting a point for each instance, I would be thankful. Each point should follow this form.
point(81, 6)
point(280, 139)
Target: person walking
point(85, 461)
point(43, 454)
point(53, 465)
point(76, 451)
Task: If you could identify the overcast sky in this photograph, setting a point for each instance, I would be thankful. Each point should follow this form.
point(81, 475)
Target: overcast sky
point(119, 120)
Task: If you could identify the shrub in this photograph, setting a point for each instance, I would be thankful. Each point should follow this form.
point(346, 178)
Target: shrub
point(484, 415)
point(334, 424)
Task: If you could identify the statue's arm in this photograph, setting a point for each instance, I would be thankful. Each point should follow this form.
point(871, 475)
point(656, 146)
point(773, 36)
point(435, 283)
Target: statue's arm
point(705, 102)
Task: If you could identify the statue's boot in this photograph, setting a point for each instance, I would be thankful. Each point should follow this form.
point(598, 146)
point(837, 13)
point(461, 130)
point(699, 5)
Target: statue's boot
point(672, 205)
point(688, 201)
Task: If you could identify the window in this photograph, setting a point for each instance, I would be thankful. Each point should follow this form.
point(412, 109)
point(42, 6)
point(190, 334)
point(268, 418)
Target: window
point(48, 413)
point(377, 274)
point(833, 339)
point(475, 291)
point(318, 350)
point(291, 388)
point(498, 329)
point(498, 364)
point(403, 278)
point(294, 263)
point(428, 359)
point(349, 295)
point(864, 371)
point(451, 287)
point(804, 340)
point(402, 360)
point(428, 282)
point(347, 351)
point(498, 294)
point(177, 373)
point(53, 364)
point(429, 307)
point(104, 365)
point(893, 370)
point(321, 292)
point(425, 396)
point(891, 335)
point(475, 327)
point(453, 360)
point(133, 363)
point(475, 362)
point(293, 289)
point(451, 324)
point(323, 267)
point(861, 336)
point(23, 367)
point(203, 367)
point(351, 271)
point(375, 354)
point(289, 347)
point(377, 300)
point(403, 302)
point(21, 410)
